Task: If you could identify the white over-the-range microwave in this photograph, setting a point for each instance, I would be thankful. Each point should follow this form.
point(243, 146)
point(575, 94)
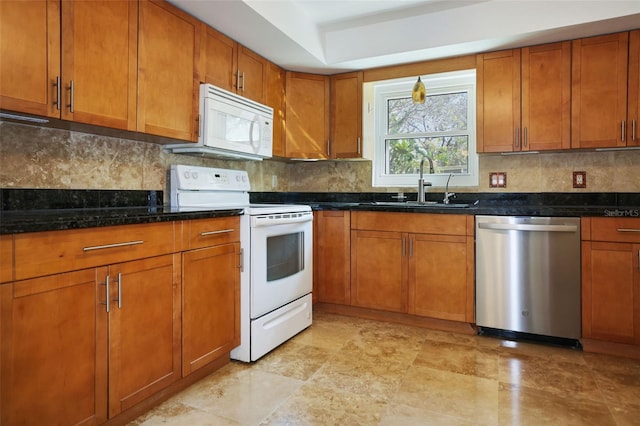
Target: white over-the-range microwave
point(231, 126)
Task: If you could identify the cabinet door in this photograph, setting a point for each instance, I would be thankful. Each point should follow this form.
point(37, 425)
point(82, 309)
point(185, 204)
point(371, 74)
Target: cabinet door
point(221, 60)
point(441, 277)
point(611, 291)
point(498, 101)
point(144, 330)
point(599, 91)
point(252, 69)
point(333, 244)
point(99, 58)
point(346, 115)
point(307, 101)
point(378, 270)
point(53, 356)
point(168, 74)
point(211, 305)
point(546, 97)
point(633, 108)
point(30, 51)
point(276, 77)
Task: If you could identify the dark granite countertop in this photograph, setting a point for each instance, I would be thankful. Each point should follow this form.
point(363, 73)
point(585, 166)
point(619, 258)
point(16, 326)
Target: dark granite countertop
point(25, 210)
point(33, 210)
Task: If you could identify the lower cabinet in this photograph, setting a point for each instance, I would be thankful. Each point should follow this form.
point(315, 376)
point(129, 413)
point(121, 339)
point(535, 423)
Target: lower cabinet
point(54, 347)
point(332, 250)
point(420, 264)
point(611, 280)
point(211, 304)
point(66, 356)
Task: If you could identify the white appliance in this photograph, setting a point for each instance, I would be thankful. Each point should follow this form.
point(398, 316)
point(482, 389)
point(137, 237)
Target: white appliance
point(231, 126)
point(277, 243)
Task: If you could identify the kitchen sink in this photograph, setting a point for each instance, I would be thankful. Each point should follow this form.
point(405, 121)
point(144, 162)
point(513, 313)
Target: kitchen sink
point(416, 204)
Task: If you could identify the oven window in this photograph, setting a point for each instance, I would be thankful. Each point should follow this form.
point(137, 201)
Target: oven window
point(285, 255)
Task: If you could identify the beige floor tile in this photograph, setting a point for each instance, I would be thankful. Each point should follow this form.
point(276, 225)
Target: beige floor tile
point(618, 378)
point(404, 415)
point(558, 377)
point(524, 406)
point(468, 360)
point(176, 414)
point(246, 397)
point(470, 398)
point(329, 335)
point(318, 405)
point(294, 360)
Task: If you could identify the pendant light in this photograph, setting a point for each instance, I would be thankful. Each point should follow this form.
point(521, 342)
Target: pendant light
point(419, 92)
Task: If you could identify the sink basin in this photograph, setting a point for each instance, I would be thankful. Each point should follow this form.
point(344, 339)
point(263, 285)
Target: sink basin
point(416, 204)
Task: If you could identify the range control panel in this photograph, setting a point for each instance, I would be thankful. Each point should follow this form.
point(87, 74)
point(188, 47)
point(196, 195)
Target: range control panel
point(193, 178)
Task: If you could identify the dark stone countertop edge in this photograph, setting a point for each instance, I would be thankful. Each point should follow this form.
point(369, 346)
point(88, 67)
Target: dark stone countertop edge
point(17, 222)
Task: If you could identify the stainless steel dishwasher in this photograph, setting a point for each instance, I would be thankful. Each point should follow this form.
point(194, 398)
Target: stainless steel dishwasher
point(528, 275)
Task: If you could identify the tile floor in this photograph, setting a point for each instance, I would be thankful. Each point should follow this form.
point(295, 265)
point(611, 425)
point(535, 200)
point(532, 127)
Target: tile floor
point(349, 371)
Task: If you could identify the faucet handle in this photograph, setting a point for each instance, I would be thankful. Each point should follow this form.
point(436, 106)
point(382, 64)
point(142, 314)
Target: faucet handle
point(447, 196)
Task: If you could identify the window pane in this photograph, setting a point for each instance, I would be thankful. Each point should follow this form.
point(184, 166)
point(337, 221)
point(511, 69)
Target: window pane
point(439, 113)
point(450, 154)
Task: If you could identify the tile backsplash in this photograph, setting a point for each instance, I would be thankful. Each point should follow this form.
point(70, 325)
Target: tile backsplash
point(39, 157)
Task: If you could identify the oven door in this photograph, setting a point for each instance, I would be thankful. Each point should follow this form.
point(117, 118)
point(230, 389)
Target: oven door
point(281, 260)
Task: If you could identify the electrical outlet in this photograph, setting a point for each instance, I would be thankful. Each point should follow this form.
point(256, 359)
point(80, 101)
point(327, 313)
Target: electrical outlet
point(498, 180)
point(579, 179)
point(274, 181)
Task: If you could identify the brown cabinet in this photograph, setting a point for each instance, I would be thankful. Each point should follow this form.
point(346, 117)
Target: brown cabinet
point(211, 291)
point(75, 60)
point(611, 279)
point(599, 91)
point(307, 115)
point(633, 108)
point(421, 264)
point(346, 115)
point(523, 99)
point(168, 71)
point(53, 350)
point(233, 67)
point(275, 96)
point(332, 254)
point(6, 258)
point(102, 305)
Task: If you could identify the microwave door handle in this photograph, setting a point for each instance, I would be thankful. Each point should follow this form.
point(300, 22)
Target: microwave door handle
point(254, 143)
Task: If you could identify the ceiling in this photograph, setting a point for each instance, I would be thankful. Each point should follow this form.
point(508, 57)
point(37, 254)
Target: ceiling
point(330, 36)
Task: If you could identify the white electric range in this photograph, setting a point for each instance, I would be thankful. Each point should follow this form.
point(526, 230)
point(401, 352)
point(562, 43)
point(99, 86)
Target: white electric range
point(277, 244)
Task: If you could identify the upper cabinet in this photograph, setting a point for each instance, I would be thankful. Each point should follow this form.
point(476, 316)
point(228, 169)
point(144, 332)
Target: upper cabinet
point(74, 60)
point(233, 67)
point(307, 114)
point(276, 78)
point(633, 112)
point(168, 71)
point(599, 91)
point(346, 116)
point(523, 99)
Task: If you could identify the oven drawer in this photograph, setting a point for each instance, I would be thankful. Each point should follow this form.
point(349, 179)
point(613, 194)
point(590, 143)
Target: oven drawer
point(200, 233)
point(45, 253)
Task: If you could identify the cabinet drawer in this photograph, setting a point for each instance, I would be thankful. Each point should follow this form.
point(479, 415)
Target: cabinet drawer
point(45, 253)
point(624, 230)
point(200, 233)
point(423, 223)
point(6, 258)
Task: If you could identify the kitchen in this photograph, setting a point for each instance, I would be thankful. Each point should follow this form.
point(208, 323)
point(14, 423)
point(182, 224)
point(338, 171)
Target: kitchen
point(42, 157)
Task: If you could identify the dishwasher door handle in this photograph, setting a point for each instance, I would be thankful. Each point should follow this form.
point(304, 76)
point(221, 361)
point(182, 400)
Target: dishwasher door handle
point(528, 227)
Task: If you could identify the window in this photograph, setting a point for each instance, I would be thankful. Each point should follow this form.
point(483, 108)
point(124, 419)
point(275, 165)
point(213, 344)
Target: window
point(441, 130)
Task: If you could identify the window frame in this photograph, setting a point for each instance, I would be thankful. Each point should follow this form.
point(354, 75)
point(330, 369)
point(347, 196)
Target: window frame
point(440, 83)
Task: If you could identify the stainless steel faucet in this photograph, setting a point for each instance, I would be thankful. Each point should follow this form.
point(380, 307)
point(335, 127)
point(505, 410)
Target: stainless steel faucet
point(448, 194)
point(421, 182)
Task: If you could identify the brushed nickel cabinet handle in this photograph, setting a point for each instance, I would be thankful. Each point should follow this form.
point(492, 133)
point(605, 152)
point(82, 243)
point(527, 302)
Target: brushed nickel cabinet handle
point(633, 131)
point(106, 246)
point(516, 137)
point(241, 254)
point(223, 231)
point(404, 250)
point(628, 230)
point(107, 301)
point(525, 137)
point(58, 87)
point(243, 82)
point(119, 290)
point(410, 247)
point(237, 79)
point(359, 146)
point(623, 130)
point(71, 93)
